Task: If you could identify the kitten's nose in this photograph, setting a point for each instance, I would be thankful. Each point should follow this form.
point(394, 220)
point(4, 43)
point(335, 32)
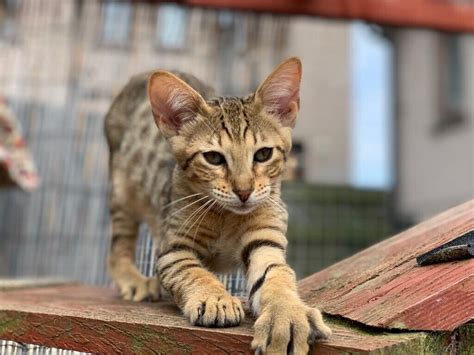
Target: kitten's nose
point(243, 194)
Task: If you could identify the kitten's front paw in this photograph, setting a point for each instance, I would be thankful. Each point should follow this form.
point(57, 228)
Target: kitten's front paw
point(139, 288)
point(288, 327)
point(221, 310)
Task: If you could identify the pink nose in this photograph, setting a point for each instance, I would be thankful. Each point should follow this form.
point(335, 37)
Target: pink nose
point(243, 194)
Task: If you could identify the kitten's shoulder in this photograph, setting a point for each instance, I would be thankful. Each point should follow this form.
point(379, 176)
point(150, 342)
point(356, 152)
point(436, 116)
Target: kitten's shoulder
point(123, 106)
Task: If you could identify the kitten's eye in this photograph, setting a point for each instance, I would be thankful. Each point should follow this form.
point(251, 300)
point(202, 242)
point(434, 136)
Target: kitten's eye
point(263, 154)
point(214, 158)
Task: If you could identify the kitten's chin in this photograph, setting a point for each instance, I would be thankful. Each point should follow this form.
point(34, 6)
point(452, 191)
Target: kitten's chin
point(241, 210)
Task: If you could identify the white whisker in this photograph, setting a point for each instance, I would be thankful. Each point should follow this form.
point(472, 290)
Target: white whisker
point(190, 217)
point(196, 215)
point(275, 203)
point(181, 199)
point(202, 218)
point(188, 205)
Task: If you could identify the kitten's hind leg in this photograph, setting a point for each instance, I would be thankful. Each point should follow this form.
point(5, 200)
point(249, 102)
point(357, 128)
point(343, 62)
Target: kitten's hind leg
point(132, 284)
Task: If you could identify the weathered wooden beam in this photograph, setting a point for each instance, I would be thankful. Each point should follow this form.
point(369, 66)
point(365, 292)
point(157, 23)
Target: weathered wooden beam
point(383, 286)
point(445, 15)
point(12, 284)
point(94, 320)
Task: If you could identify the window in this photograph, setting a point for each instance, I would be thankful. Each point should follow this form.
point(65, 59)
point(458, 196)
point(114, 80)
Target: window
point(8, 8)
point(116, 24)
point(451, 82)
point(171, 27)
point(454, 71)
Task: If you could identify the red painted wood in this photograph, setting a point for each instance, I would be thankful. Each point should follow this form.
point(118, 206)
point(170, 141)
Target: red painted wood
point(381, 286)
point(93, 320)
point(384, 287)
point(447, 308)
point(438, 14)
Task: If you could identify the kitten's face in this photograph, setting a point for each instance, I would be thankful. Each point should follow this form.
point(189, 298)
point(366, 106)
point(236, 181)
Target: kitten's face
point(232, 150)
point(234, 154)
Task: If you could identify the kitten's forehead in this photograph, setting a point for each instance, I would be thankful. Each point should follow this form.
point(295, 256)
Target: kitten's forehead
point(231, 106)
point(236, 116)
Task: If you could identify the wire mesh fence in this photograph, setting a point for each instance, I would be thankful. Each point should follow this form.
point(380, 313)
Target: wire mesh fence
point(13, 348)
point(62, 62)
point(329, 223)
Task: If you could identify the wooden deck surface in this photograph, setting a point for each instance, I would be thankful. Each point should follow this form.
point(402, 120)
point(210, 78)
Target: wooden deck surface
point(93, 319)
point(380, 288)
point(384, 287)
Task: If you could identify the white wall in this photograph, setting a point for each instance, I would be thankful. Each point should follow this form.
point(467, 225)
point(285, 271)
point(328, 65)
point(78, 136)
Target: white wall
point(436, 169)
point(322, 126)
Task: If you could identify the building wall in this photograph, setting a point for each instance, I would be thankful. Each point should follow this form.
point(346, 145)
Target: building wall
point(435, 167)
point(51, 46)
point(323, 123)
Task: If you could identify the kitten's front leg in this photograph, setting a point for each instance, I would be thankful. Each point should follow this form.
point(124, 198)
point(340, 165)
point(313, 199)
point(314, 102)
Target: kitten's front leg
point(284, 324)
point(199, 294)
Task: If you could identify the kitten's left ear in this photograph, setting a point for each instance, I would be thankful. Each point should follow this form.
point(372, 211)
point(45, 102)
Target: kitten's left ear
point(280, 92)
point(174, 103)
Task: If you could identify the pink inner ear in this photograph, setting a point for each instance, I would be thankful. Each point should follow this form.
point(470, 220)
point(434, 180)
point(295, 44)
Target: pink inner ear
point(278, 96)
point(163, 113)
point(280, 91)
point(173, 102)
point(284, 102)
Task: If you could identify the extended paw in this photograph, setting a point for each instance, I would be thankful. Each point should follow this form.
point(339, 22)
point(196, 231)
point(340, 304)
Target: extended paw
point(215, 311)
point(288, 328)
point(139, 288)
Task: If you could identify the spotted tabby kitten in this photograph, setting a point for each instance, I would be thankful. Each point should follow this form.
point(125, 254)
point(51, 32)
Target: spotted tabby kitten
point(207, 183)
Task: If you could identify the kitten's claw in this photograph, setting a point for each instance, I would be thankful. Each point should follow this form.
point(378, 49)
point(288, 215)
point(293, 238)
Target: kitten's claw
point(215, 311)
point(289, 328)
point(140, 289)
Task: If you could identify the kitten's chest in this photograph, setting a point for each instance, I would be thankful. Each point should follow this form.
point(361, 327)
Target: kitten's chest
point(222, 256)
point(223, 250)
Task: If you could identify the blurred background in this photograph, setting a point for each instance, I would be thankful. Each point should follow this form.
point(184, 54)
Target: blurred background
point(385, 137)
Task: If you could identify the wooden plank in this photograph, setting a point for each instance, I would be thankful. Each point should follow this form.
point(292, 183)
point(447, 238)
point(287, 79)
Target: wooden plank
point(446, 309)
point(11, 284)
point(441, 15)
point(384, 287)
point(381, 286)
point(94, 320)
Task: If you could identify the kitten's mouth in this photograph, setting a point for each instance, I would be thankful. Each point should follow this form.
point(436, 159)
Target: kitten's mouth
point(241, 209)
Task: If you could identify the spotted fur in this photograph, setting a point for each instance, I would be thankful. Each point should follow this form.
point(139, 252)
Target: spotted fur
point(211, 202)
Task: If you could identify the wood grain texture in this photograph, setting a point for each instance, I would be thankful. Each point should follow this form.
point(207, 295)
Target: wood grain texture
point(381, 286)
point(384, 287)
point(94, 320)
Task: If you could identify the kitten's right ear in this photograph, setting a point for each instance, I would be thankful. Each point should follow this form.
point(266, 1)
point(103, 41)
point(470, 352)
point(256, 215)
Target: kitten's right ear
point(280, 92)
point(173, 102)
